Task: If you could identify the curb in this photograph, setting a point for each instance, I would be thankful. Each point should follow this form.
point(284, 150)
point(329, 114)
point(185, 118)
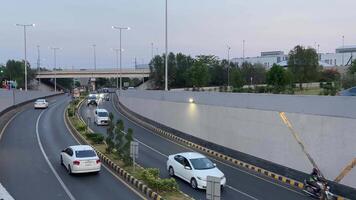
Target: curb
point(291, 182)
point(127, 177)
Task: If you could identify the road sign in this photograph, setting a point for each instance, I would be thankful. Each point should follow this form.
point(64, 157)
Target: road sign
point(134, 152)
point(213, 188)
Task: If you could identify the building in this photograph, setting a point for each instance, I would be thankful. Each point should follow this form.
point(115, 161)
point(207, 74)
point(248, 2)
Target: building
point(342, 56)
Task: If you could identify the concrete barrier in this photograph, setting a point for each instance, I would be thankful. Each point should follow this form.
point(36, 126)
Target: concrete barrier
point(251, 124)
point(13, 97)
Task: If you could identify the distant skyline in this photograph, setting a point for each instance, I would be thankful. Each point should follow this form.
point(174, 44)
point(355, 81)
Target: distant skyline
point(195, 27)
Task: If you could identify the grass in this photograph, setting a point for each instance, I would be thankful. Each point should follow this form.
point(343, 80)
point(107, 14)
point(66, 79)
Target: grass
point(308, 91)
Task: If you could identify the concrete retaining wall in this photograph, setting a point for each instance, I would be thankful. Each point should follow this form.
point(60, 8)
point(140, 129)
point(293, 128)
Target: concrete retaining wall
point(251, 124)
point(13, 97)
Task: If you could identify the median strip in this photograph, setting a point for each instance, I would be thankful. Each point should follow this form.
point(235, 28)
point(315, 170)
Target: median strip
point(132, 177)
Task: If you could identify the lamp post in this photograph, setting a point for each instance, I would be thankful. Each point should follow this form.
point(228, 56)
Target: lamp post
point(120, 30)
point(343, 46)
point(151, 50)
point(166, 46)
point(38, 62)
point(55, 66)
point(94, 51)
point(228, 67)
point(117, 66)
point(24, 33)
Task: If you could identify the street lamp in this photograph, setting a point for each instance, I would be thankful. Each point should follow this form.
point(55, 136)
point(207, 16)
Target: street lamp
point(228, 66)
point(94, 45)
point(120, 30)
point(24, 31)
point(117, 66)
point(166, 44)
point(55, 66)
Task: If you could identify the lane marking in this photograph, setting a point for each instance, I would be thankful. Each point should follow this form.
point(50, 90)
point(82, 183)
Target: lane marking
point(226, 164)
point(8, 123)
point(108, 169)
point(48, 162)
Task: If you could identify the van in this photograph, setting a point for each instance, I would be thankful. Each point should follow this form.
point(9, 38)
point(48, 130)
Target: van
point(101, 117)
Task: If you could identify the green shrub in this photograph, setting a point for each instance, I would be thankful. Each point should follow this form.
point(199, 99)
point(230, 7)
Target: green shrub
point(96, 138)
point(151, 177)
point(70, 112)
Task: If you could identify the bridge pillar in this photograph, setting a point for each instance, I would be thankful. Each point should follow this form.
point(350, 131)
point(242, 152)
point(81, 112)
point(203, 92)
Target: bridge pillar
point(92, 83)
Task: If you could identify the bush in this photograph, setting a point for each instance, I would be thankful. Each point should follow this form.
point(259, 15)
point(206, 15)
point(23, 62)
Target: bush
point(96, 138)
point(80, 126)
point(70, 112)
point(151, 177)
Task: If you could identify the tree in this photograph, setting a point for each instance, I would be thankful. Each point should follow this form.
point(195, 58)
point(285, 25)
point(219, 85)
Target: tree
point(330, 75)
point(255, 74)
point(183, 63)
point(199, 74)
point(352, 68)
point(157, 71)
point(236, 78)
point(304, 65)
point(278, 78)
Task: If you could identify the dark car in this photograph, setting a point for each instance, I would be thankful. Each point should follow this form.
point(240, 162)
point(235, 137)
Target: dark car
point(348, 92)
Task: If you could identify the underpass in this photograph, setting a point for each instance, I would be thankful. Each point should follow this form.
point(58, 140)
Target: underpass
point(153, 152)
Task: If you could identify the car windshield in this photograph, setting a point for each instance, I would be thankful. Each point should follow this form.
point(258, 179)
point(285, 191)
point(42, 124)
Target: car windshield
point(202, 163)
point(103, 114)
point(85, 154)
point(40, 100)
point(92, 98)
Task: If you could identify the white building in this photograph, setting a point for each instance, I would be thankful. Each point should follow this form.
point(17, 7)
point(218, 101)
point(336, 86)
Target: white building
point(342, 56)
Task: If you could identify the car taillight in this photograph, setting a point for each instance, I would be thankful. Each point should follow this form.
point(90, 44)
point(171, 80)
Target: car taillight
point(76, 162)
point(98, 161)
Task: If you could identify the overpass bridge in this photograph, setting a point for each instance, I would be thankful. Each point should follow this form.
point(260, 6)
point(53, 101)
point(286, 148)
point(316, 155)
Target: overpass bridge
point(91, 73)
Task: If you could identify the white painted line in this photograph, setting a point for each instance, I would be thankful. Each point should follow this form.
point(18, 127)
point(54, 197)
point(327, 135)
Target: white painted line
point(4, 195)
point(190, 149)
point(239, 191)
point(48, 162)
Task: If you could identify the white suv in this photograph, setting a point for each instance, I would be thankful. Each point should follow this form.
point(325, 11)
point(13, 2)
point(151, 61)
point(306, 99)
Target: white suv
point(101, 117)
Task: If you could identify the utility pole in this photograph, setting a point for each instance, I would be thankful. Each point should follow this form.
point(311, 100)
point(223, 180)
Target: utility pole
point(152, 50)
point(25, 49)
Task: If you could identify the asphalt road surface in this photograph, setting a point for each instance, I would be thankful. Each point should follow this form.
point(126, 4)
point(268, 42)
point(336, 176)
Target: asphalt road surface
point(29, 160)
point(154, 150)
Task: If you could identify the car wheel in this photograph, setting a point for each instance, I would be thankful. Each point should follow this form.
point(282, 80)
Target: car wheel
point(193, 183)
point(171, 171)
point(61, 160)
point(69, 170)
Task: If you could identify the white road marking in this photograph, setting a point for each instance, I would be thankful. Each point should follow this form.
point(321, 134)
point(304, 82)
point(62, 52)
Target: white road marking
point(48, 162)
point(190, 149)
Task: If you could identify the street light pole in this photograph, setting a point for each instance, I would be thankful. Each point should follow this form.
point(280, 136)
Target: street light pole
point(166, 45)
point(25, 47)
point(38, 62)
point(94, 57)
point(228, 67)
point(151, 50)
point(343, 46)
point(243, 51)
point(55, 66)
point(117, 67)
point(120, 31)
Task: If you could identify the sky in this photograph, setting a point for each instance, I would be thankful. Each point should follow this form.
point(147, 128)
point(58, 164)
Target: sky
point(195, 27)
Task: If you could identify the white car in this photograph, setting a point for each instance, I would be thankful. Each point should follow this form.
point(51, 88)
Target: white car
point(101, 117)
point(41, 103)
point(80, 159)
point(194, 168)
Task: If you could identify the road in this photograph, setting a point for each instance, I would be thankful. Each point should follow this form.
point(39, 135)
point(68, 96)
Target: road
point(30, 168)
point(153, 152)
